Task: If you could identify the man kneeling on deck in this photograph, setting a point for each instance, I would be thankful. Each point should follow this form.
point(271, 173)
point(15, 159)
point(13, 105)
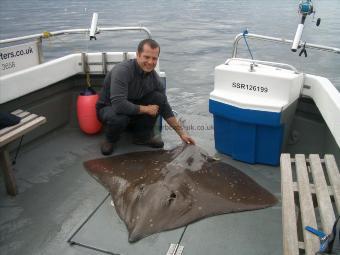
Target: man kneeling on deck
point(133, 95)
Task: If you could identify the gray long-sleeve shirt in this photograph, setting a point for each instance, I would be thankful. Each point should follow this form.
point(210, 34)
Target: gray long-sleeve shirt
point(127, 82)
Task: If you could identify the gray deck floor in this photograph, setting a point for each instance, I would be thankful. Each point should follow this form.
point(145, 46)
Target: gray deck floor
point(56, 195)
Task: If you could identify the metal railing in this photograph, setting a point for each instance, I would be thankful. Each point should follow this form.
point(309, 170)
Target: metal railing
point(46, 35)
point(281, 40)
point(254, 61)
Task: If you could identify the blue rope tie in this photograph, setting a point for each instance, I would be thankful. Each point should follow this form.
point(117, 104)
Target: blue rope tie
point(245, 39)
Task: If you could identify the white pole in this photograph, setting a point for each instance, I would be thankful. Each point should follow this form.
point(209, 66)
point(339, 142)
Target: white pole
point(297, 37)
point(93, 28)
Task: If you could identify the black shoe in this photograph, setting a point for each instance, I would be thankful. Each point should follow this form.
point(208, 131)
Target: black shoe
point(106, 148)
point(154, 142)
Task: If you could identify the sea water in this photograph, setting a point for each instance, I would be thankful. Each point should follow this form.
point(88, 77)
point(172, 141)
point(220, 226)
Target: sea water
point(194, 35)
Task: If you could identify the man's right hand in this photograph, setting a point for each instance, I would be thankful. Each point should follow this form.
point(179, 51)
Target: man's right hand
point(149, 109)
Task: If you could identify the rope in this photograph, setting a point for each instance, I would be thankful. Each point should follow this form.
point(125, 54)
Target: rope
point(17, 151)
point(71, 242)
point(87, 68)
point(46, 34)
point(88, 81)
point(245, 39)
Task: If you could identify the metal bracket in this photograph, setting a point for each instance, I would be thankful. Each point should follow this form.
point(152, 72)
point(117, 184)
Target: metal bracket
point(40, 50)
point(125, 56)
point(104, 62)
point(175, 249)
point(84, 61)
point(251, 67)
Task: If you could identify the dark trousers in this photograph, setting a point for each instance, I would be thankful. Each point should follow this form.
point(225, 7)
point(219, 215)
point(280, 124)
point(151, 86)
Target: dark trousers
point(141, 125)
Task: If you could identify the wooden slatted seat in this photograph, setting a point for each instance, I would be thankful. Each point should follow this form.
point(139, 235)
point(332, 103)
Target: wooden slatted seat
point(310, 197)
point(28, 123)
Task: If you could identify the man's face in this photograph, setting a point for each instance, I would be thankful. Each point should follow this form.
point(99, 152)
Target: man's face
point(147, 59)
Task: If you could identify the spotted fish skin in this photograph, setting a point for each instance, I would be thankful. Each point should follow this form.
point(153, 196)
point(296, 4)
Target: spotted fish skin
point(160, 190)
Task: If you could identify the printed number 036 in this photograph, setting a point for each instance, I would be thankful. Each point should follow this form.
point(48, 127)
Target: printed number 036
point(8, 65)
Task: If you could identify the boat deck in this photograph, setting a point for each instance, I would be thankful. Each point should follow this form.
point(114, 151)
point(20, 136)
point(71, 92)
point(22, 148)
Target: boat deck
point(56, 195)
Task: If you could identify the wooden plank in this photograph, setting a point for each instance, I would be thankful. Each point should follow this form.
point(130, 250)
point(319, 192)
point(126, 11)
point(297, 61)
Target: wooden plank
point(295, 187)
point(6, 167)
point(21, 130)
point(22, 122)
point(290, 238)
point(334, 178)
point(301, 245)
point(27, 123)
point(23, 114)
point(17, 111)
point(323, 197)
point(306, 205)
point(312, 188)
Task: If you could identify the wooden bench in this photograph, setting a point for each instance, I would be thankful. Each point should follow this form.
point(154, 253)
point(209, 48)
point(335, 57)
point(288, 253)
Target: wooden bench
point(310, 197)
point(28, 122)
